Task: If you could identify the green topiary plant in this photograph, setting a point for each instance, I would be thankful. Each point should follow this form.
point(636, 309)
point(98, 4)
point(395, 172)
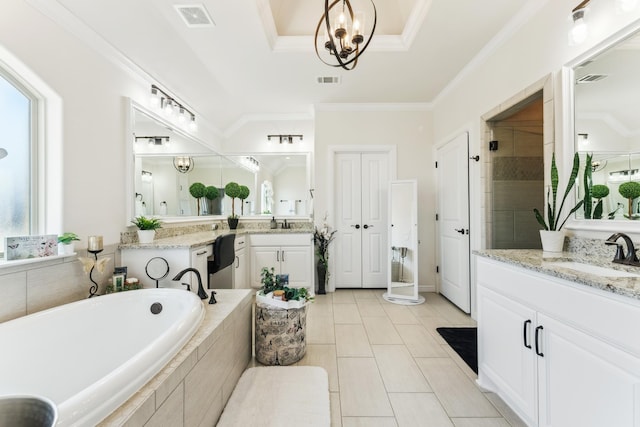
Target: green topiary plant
point(144, 223)
point(197, 190)
point(244, 193)
point(232, 190)
point(599, 191)
point(211, 192)
point(630, 191)
point(553, 223)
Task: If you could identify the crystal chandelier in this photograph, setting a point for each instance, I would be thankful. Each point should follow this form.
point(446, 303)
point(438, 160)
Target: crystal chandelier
point(345, 40)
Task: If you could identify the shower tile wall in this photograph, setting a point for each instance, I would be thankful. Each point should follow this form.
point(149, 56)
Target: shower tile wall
point(517, 176)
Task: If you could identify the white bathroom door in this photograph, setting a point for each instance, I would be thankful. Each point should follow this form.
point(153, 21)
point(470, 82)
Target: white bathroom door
point(360, 197)
point(453, 221)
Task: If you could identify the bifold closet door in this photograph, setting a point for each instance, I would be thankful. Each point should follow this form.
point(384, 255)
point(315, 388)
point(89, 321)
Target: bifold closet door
point(360, 196)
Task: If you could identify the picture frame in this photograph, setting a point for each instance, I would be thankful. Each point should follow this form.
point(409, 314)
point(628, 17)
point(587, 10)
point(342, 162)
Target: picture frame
point(282, 279)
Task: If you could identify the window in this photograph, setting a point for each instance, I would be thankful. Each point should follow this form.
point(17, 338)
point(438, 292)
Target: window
point(18, 153)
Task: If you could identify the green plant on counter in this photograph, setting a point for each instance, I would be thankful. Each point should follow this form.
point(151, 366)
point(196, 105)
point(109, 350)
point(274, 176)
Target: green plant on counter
point(588, 184)
point(244, 193)
point(553, 220)
point(197, 190)
point(211, 192)
point(67, 238)
point(630, 191)
point(144, 223)
point(599, 191)
point(232, 190)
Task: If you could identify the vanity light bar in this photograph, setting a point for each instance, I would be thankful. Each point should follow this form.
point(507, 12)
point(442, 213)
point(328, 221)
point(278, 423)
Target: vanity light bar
point(285, 138)
point(165, 102)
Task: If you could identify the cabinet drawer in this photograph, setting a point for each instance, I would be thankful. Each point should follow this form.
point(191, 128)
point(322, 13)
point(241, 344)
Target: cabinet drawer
point(240, 242)
point(284, 239)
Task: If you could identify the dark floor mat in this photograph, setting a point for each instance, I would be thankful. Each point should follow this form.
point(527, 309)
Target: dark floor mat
point(465, 342)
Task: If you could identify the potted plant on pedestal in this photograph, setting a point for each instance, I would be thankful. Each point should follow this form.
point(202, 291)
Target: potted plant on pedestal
point(65, 243)
point(197, 190)
point(281, 320)
point(552, 235)
point(321, 238)
point(146, 228)
point(232, 190)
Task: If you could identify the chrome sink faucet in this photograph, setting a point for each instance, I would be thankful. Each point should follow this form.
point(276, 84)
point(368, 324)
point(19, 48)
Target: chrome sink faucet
point(631, 258)
point(201, 292)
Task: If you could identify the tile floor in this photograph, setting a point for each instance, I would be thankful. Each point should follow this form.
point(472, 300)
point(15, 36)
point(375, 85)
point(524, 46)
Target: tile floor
point(388, 366)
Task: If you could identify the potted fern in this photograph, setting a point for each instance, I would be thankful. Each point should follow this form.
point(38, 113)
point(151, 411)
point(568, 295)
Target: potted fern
point(146, 228)
point(551, 235)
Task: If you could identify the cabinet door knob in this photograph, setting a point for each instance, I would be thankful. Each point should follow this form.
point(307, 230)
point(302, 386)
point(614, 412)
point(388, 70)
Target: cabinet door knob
point(538, 352)
point(283, 255)
point(524, 333)
point(237, 261)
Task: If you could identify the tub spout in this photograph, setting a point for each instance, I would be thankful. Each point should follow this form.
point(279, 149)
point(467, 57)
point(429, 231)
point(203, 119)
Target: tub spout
point(201, 292)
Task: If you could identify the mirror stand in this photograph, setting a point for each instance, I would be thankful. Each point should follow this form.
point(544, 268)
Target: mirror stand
point(403, 253)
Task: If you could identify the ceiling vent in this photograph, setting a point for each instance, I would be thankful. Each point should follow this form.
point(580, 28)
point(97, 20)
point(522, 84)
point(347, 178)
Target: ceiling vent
point(590, 78)
point(194, 15)
point(328, 80)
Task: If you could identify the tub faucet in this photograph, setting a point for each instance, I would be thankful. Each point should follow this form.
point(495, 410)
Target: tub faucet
point(631, 258)
point(201, 292)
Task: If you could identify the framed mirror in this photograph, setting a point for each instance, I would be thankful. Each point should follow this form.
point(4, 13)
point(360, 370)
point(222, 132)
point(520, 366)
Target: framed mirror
point(168, 162)
point(403, 235)
point(605, 87)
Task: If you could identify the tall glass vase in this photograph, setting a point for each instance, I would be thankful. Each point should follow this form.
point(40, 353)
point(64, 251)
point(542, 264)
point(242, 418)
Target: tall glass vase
point(322, 278)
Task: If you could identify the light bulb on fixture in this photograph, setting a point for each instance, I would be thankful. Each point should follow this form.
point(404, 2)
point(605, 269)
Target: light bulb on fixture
point(182, 116)
point(168, 107)
point(154, 99)
point(193, 126)
point(579, 31)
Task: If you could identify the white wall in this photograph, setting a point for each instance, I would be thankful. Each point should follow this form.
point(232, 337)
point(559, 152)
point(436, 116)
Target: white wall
point(408, 127)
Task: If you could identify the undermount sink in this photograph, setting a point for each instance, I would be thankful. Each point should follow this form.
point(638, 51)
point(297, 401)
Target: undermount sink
point(592, 269)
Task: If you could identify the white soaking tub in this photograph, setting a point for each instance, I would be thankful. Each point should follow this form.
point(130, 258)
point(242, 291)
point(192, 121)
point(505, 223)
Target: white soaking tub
point(90, 356)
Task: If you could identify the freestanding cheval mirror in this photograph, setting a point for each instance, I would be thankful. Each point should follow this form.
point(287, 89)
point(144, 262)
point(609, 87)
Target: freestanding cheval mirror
point(403, 249)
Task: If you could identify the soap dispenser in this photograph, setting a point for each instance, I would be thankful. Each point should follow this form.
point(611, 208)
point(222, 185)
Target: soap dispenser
point(274, 224)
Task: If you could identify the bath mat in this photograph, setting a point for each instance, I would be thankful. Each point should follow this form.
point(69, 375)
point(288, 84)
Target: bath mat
point(465, 342)
point(279, 396)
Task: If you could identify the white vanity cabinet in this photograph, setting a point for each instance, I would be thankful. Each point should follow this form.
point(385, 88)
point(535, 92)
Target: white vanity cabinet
point(290, 254)
point(559, 353)
point(240, 267)
point(178, 259)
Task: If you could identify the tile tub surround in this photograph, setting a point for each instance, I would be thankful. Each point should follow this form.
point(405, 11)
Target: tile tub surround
point(47, 283)
point(536, 260)
point(192, 389)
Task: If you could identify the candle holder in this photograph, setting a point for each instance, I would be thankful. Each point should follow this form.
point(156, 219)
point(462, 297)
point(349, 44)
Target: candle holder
point(94, 288)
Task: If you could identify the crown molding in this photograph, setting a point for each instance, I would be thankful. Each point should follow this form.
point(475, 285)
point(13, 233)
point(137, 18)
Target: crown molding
point(408, 106)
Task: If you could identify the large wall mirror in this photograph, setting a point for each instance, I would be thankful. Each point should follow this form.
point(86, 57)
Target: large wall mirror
point(606, 89)
point(167, 162)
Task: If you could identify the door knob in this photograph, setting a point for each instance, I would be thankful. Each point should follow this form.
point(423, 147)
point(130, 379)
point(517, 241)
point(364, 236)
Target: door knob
point(357, 226)
point(461, 231)
point(367, 226)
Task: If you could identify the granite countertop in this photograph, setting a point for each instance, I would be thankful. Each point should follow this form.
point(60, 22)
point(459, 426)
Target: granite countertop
point(203, 238)
point(536, 260)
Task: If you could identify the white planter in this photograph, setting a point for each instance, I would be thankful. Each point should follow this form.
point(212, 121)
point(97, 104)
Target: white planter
point(146, 236)
point(65, 249)
point(552, 241)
